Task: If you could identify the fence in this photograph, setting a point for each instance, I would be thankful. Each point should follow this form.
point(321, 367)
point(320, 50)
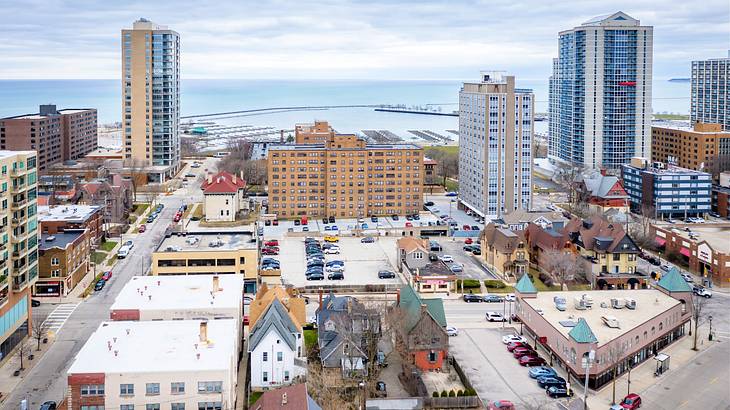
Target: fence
point(451, 402)
point(460, 372)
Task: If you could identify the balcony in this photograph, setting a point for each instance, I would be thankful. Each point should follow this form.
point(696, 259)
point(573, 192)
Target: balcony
point(18, 171)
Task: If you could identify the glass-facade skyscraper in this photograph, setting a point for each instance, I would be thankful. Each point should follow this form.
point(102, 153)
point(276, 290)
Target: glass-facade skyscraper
point(151, 99)
point(710, 92)
point(600, 93)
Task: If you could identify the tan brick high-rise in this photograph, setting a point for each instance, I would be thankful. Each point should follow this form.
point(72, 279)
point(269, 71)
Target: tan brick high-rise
point(705, 147)
point(345, 177)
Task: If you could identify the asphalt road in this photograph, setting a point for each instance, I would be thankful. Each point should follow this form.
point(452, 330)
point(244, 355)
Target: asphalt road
point(47, 380)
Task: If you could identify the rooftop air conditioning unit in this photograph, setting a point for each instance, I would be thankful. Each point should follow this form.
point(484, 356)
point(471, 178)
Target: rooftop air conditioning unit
point(580, 303)
point(631, 303)
point(559, 303)
point(610, 321)
point(617, 303)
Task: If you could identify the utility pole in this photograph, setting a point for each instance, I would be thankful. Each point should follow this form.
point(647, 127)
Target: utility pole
point(587, 362)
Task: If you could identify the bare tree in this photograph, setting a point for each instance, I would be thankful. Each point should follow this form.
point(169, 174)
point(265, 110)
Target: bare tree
point(615, 355)
point(699, 317)
point(137, 174)
point(23, 350)
point(188, 147)
point(567, 175)
point(40, 330)
point(564, 266)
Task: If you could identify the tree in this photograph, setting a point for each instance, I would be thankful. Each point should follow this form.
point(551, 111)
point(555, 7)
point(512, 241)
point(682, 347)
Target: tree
point(241, 163)
point(39, 329)
point(188, 147)
point(23, 350)
point(567, 175)
point(563, 265)
point(137, 174)
point(615, 354)
point(699, 317)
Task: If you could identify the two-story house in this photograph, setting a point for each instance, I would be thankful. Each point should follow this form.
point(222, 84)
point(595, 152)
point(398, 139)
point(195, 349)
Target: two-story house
point(224, 197)
point(423, 330)
point(62, 262)
point(505, 251)
point(424, 275)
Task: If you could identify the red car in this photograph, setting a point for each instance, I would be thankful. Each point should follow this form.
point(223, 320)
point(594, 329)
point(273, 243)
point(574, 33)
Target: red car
point(531, 361)
point(468, 241)
point(501, 405)
point(176, 218)
point(272, 242)
point(466, 228)
point(270, 251)
point(409, 225)
point(514, 345)
point(275, 222)
point(106, 276)
point(631, 402)
point(523, 351)
point(142, 228)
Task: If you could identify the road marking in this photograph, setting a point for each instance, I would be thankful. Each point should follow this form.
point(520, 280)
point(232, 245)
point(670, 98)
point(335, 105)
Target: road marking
point(58, 317)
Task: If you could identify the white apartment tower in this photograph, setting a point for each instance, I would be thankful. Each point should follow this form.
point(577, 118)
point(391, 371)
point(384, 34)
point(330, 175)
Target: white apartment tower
point(710, 92)
point(151, 98)
point(600, 92)
point(495, 145)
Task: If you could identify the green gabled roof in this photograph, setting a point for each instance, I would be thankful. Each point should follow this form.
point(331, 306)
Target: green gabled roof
point(582, 333)
point(674, 282)
point(524, 285)
point(436, 309)
point(411, 303)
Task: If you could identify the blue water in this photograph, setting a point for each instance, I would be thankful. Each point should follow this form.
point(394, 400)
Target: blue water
point(208, 96)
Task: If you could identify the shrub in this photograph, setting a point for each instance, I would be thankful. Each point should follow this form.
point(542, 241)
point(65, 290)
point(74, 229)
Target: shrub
point(467, 283)
point(435, 394)
point(494, 284)
point(459, 393)
point(452, 393)
point(470, 392)
point(444, 394)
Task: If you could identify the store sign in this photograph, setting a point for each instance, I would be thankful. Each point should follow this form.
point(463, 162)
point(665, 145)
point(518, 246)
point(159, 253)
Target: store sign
point(704, 253)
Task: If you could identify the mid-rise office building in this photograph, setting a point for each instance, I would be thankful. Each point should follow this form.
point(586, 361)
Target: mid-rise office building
point(57, 135)
point(704, 147)
point(711, 91)
point(151, 98)
point(170, 364)
point(18, 245)
point(495, 145)
point(666, 190)
point(345, 177)
point(600, 102)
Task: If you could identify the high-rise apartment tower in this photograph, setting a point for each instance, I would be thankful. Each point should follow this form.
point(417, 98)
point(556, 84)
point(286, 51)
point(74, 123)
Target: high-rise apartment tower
point(710, 92)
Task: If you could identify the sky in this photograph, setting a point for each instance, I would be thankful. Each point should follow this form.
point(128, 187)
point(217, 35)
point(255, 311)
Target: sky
point(348, 39)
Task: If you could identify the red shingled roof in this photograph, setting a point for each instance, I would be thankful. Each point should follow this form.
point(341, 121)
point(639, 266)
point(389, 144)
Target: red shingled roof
point(223, 182)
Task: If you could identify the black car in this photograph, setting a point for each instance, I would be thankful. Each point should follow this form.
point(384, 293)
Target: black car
point(297, 222)
point(332, 219)
point(546, 382)
point(468, 248)
point(315, 276)
point(267, 222)
point(432, 257)
point(409, 218)
point(373, 219)
point(475, 228)
point(48, 405)
point(100, 284)
point(557, 391)
point(319, 265)
point(493, 298)
point(336, 276)
point(386, 274)
point(472, 298)
point(416, 217)
point(476, 252)
point(35, 303)
point(429, 203)
point(325, 221)
point(394, 217)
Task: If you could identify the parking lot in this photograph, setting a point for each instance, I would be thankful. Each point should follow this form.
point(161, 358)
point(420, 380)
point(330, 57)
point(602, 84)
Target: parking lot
point(492, 370)
point(349, 226)
point(443, 205)
point(362, 261)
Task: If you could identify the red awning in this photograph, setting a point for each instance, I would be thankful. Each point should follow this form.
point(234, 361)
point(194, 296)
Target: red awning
point(660, 241)
point(684, 251)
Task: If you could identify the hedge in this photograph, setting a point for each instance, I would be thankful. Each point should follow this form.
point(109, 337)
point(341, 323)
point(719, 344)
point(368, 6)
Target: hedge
point(494, 284)
point(467, 283)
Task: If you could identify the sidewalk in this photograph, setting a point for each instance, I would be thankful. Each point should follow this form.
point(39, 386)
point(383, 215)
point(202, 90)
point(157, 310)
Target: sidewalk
point(8, 381)
point(642, 376)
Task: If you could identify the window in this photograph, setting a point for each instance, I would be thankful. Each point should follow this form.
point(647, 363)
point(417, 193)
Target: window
point(126, 407)
point(92, 390)
point(211, 405)
point(265, 376)
point(54, 261)
point(177, 406)
point(153, 389)
point(153, 406)
point(266, 356)
point(92, 407)
point(279, 356)
point(126, 389)
point(432, 356)
point(286, 375)
point(177, 388)
point(210, 387)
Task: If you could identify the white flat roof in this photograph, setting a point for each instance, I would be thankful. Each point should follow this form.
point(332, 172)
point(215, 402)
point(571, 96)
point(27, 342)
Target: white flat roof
point(66, 212)
point(157, 346)
point(6, 153)
point(649, 303)
point(171, 292)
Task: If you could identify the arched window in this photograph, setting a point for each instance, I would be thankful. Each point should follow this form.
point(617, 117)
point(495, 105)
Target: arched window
point(653, 330)
point(645, 335)
point(661, 326)
point(637, 340)
point(684, 306)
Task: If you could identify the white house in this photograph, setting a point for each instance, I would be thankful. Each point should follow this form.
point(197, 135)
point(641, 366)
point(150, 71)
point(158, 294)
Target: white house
point(277, 349)
point(224, 197)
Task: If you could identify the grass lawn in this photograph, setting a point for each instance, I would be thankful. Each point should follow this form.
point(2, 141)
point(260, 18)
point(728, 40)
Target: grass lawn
point(139, 209)
point(198, 211)
point(506, 289)
point(452, 185)
point(191, 208)
point(253, 397)
point(108, 246)
point(671, 117)
point(310, 338)
point(98, 257)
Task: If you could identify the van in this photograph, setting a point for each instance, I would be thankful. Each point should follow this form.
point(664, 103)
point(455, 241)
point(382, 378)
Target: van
point(123, 252)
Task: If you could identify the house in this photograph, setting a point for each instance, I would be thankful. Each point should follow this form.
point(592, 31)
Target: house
point(520, 219)
point(55, 219)
point(348, 334)
point(603, 192)
point(287, 296)
point(224, 197)
point(424, 275)
point(58, 189)
point(63, 260)
point(114, 196)
point(505, 250)
point(423, 330)
point(276, 348)
point(294, 397)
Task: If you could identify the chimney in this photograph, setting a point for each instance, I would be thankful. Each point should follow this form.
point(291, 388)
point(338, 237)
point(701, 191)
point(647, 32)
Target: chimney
point(320, 298)
point(210, 179)
point(204, 331)
point(216, 286)
point(233, 179)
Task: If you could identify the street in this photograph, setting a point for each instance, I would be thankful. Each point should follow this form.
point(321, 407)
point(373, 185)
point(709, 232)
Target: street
point(47, 380)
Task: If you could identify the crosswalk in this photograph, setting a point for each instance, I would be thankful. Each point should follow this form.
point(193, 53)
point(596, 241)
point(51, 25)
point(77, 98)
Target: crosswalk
point(58, 317)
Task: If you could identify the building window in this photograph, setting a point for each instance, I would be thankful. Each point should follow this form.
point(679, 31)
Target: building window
point(279, 356)
point(126, 389)
point(177, 388)
point(286, 375)
point(152, 406)
point(153, 389)
point(210, 387)
point(92, 390)
point(432, 356)
point(210, 405)
point(266, 356)
point(265, 376)
point(177, 406)
point(126, 407)
point(54, 261)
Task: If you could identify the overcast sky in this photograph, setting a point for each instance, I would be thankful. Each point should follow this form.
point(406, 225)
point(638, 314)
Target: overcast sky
point(376, 39)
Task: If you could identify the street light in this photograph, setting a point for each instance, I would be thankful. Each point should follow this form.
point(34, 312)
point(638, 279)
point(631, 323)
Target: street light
point(710, 336)
point(587, 362)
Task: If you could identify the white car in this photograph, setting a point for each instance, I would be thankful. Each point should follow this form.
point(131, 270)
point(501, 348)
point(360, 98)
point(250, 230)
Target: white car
point(452, 331)
point(335, 268)
point(495, 317)
point(513, 338)
point(332, 250)
point(446, 258)
point(510, 298)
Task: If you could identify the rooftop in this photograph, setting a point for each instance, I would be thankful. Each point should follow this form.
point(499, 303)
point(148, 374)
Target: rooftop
point(8, 154)
point(684, 126)
point(321, 147)
point(208, 241)
point(157, 347)
point(75, 110)
point(69, 213)
point(60, 239)
point(649, 304)
point(171, 292)
point(716, 235)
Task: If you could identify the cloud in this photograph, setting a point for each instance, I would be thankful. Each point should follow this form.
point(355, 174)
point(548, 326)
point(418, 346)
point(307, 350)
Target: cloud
point(380, 39)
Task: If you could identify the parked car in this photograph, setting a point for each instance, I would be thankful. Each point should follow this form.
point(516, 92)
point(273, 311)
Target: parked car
point(386, 274)
point(493, 298)
point(270, 251)
point(373, 219)
point(687, 277)
point(332, 251)
point(510, 297)
point(35, 303)
point(513, 338)
point(475, 228)
point(495, 317)
point(456, 268)
point(315, 276)
point(531, 361)
point(336, 276)
point(48, 405)
point(107, 275)
point(452, 193)
point(331, 239)
point(429, 203)
point(335, 262)
point(631, 401)
point(99, 285)
point(468, 241)
point(142, 228)
point(523, 351)
point(715, 215)
point(542, 371)
point(476, 251)
point(559, 391)
point(514, 345)
point(367, 239)
point(335, 268)
point(501, 405)
point(550, 381)
point(272, 242)
point(700, 291)
point(664, 267)
point(409, 225)
point(472, 298)
point(446, 258)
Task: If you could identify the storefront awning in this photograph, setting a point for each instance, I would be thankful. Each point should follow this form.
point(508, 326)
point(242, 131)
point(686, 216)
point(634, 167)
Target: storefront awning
point(684, 251)
point(660, 241)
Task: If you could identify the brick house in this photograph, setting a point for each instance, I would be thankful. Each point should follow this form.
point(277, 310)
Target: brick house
point(423, 333)
point(63, 260)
